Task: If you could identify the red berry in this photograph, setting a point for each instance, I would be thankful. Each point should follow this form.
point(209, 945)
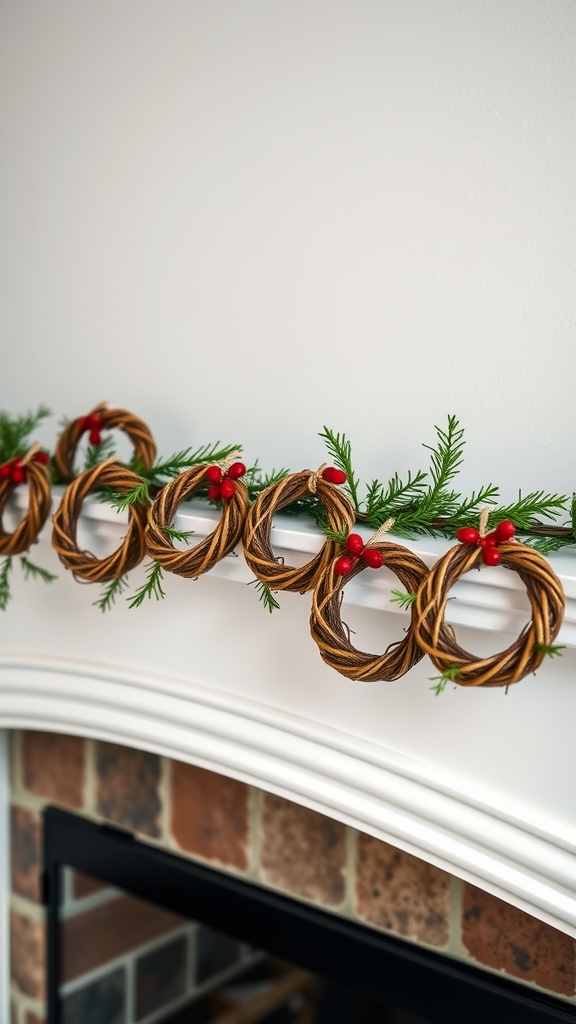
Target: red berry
point(354, 544)
point(214, 492)
point(94, 421)
point(237, 469)
point(468, 535)
point(489, 541)
point(5, 470)
point(333, 475)
point(95, 437)
point(214, 474)
point(42, 457)
point(83, 422)
point(227, 488)
point(18, 474)
point(373, 557)
point(490, 555)
point(505, 531)
point(343, 565)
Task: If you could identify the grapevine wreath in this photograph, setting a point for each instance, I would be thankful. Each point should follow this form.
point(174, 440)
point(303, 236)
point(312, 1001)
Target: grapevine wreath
point(30, 469)
point(527, 652)
point(424, 502)
point(225, 485)
point(85, 565)
point(257, 548)
point(326, 626)
point(101, 418)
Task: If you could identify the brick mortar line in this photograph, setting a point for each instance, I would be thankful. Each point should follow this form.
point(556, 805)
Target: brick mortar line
point(24, 1004)
point(27, 908)
point(90, 775)
point(254, 833)
point(165, 793)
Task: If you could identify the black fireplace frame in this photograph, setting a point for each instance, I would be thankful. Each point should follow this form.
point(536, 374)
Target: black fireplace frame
point(417, 980)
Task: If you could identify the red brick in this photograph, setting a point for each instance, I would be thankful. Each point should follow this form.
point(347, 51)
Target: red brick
point(27, 960)
point(97, 936)
point(127, 788)
point(401, 893)
point(85, 885)
point(302, 852)
point(26, 855)
point(210, 815)
point(508, 939)
point(53, 767)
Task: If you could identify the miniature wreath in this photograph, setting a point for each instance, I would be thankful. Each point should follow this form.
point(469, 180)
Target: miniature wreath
point(257, 548)
point(84, 564)
point(224, 485)
point(331, 635)
point(30, 469)
point(544, 591)
point(94, 423)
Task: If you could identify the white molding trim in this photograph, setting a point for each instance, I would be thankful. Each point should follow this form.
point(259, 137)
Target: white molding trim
point(517, 856)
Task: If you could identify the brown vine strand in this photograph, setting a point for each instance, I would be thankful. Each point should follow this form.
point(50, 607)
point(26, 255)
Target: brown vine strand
point(112, 419)
point(438, 639)
point(39, 505)
point(202, 557)
point(331, 636)
point(85, 565)
point(257, 548)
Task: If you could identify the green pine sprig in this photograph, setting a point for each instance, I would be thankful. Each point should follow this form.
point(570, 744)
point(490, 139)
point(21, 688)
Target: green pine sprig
point(402, 599)
point(550, 650)
point(448, 676)
point(15, 432)
point(97, 453)
point(5, 595)
point(265, 595)
point(36, 572)
point(110, 592)
point(340, 450)
point(179, 535)
point(151, 588)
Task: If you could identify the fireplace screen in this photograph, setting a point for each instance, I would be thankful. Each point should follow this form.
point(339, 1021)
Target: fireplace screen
point(140, 936)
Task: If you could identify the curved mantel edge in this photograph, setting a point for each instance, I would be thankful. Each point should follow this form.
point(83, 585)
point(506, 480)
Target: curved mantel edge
point(506, 852)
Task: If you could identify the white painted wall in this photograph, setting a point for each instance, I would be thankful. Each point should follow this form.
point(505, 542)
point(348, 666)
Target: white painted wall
point(243, 219)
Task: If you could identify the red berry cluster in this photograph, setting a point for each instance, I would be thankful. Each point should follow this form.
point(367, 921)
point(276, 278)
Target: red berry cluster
point(15, 469)
point(222, 484)
point(94, 423)
point(490, 555)
point(356, 550)
point(333, 475)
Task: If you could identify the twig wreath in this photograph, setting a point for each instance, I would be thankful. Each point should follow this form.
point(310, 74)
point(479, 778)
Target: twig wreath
point(33, 470)
point(101, 418)
point(332, 636)
point(527, 652)
point(257, 547)
point(84, 564)
point(227, 487)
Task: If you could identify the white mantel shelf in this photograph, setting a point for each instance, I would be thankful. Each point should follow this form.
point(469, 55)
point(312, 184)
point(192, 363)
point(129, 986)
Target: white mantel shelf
point(477, 782)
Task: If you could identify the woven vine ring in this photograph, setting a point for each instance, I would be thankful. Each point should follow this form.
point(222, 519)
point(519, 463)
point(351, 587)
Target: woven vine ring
point(39, 504)
point(257, 548)
point(84, 564)
point(330, 634)
point(203, 556)
point(524, 655)
point(108, 419)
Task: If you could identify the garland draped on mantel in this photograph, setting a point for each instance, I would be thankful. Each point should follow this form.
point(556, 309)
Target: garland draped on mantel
point(424, 502)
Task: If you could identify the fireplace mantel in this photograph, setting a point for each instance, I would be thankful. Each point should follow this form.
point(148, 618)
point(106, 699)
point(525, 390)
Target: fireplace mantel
point(479, 783)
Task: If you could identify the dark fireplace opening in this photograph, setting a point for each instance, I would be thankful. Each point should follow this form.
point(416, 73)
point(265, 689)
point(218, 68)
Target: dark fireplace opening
point(136, 935)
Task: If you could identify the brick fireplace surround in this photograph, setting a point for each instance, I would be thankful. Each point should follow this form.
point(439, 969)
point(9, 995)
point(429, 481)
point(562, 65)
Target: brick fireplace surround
point(267, 840)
